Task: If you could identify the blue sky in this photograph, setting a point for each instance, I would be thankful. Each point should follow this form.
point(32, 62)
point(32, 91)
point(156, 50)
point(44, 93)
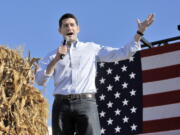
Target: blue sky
point(34, 23)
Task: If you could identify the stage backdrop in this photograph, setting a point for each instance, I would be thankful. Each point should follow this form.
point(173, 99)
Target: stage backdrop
point(141, 95)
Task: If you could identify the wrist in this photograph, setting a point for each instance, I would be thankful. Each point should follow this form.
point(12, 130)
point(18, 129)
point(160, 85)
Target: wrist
point(140, 33)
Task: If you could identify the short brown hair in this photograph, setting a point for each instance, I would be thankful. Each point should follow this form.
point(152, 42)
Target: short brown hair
point(65, 16)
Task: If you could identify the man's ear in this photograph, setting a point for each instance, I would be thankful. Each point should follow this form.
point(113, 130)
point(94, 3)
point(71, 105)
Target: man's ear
point(78, 29)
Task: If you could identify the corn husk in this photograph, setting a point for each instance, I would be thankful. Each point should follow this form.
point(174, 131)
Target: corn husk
point(23, 109)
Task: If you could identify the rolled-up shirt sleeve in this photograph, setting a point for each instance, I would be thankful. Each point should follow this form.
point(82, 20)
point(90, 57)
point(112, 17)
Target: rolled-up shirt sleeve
point(109, 54)
point(41, 77)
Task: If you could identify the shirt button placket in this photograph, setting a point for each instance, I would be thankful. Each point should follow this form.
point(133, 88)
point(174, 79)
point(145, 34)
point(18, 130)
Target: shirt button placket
point(73, 67)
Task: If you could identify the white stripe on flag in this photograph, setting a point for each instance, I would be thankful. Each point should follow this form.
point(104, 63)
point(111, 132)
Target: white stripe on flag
point(161, 86)
point(161, 112)
point(161, 60)
point(171, 132)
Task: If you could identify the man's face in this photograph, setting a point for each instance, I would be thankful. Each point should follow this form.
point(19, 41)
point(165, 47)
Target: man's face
point(69, 29)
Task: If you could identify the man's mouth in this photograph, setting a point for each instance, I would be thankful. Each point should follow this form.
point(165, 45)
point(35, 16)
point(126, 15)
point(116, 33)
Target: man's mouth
point(69, 34)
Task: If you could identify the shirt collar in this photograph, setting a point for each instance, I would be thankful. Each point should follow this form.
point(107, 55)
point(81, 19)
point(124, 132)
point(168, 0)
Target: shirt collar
point(74, 44)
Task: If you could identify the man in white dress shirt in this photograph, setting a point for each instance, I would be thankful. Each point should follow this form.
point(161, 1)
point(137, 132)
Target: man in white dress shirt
point(73, 67)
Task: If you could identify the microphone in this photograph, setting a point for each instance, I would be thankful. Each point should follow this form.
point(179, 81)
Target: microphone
point(147, 43)
point(66, 39)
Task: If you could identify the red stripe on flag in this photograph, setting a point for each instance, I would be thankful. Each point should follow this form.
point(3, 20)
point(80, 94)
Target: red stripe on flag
point(160, 50)
point(161, 98)
point(161, 73)
point(161, 125)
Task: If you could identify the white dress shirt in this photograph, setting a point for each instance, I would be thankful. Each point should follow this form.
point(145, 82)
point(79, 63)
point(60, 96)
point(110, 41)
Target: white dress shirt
point(76, 72)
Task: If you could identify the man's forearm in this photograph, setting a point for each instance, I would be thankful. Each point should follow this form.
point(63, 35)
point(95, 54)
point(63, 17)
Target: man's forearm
point(137, 37)
point(139, 34)
point(51, 66)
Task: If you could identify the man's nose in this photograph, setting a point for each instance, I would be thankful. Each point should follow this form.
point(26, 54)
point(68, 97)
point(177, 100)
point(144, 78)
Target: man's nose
point(69, 27)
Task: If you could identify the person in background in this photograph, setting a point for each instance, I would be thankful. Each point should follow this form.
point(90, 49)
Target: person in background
point(73, 67)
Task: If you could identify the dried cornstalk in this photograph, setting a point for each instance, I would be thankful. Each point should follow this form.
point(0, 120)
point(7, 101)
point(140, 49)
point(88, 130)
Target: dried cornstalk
point(23, 109)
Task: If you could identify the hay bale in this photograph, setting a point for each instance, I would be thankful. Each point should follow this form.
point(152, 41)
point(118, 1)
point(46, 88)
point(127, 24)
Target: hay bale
point(23, 110)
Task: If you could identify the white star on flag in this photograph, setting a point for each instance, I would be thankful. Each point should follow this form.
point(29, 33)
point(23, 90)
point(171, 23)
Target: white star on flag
point(133, 127)
point(131, 59)
point(109, 71)
point(110, 104)
point(110, 87)
point(116, 78)
point(133, 92)
point(102, 80)
point(133, 109)
point(102, 97)
point(110, 121)
point(132, 75)
point(117, 112)
point(116, 62)
point(117, 95)
point(103, 131)
point(101, 64)
point(125, 85)
point(117, 129)
point(102, 114)
point(125, 119)
point(124, 68)
point(125, 102)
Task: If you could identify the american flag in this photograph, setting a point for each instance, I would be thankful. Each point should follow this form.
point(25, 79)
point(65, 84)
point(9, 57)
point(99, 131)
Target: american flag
point(141, 95)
